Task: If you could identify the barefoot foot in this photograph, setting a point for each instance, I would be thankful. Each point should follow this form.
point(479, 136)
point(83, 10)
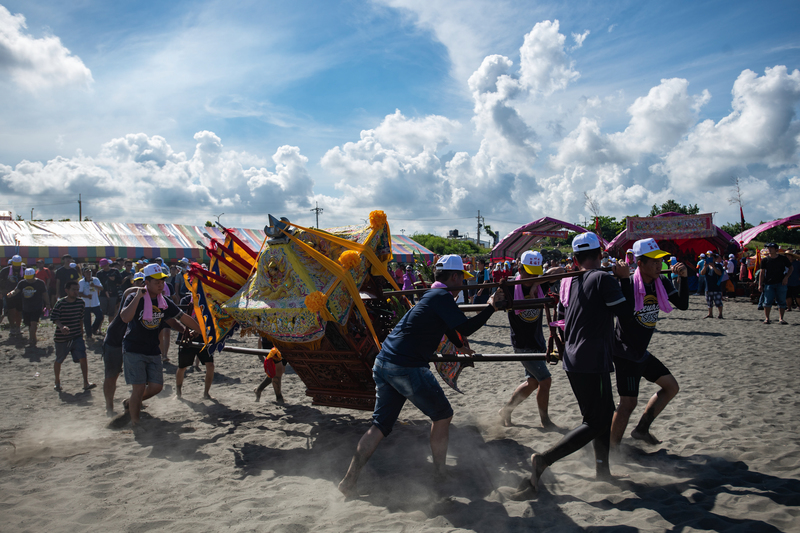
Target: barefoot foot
point(505, 417)
point(257, 392)
point(645, 436)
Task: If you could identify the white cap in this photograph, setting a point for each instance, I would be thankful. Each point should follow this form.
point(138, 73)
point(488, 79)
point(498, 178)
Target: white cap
point(452, 262)
point(703, 256)
point(731, 256)
point(72, 265)
point(648, 248)
point(532, 262)
point(153, 271)
point(184, 260)
point(138, 275)
point(16, 260)
point(585, 241)
point(30, 273)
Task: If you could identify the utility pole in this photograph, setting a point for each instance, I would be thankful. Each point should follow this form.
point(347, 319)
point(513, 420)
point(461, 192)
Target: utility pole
point(32, 208)
point(219, 216)
point(80, 209)
point(480, 224)
point(317, 210)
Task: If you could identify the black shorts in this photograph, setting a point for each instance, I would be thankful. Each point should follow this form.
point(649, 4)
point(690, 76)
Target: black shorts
point(14, 302)
point(31, 316)
point(187, 354)
point(593, 392)
point(629, 374)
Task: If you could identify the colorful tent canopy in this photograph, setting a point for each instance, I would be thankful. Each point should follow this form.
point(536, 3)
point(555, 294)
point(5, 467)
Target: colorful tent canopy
point(683, 249)
point(524, 237)
point(748, 235)
point(403, 249)
point(94, 240)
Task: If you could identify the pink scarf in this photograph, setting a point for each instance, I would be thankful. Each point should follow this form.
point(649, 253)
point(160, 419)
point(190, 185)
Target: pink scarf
point(639, 293)
point(563, 292)
point(438, 285)
point(519, 294)
point(147, 312)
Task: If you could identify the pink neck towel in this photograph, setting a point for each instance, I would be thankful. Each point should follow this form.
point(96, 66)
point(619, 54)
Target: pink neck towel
point(639, 293)
point(147, 312)
point(520, 295)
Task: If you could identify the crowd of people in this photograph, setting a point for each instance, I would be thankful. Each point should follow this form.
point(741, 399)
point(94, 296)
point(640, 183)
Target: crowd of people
point(607, 313)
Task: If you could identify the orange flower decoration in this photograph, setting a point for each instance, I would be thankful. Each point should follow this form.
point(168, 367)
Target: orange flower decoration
point(350, 259)
point(377, 219)
point(315, 302)
point(274, 354)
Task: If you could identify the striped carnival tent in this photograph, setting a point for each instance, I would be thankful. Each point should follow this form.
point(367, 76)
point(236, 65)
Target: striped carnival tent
point(403, 249)
point(90, 241)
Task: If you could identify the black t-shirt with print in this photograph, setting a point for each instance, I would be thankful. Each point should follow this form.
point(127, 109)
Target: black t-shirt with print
point(633, 333)
point(111, 281)
point(33, 292)
point(526, 327)
point(142, 336)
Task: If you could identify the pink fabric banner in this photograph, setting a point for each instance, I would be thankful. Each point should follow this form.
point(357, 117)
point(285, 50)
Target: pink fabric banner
point(671, 228)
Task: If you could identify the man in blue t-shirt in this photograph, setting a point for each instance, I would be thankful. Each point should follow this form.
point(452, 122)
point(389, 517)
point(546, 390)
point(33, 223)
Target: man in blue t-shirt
point(588, 304)
point(141, 354)
point(401, 367)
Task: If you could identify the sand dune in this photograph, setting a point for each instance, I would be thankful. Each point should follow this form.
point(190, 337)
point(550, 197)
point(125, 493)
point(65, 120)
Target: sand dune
point(729, 461)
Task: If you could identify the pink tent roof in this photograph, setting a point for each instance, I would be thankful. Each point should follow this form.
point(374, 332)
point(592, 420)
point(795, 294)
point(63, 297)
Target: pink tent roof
point(748, 235)
point(720, 242)
point(512, 245)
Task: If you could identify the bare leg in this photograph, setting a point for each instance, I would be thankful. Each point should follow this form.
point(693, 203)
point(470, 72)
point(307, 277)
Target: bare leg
point(109, 388)
point(366, 447)
point(543, 402)
point(179, 381)
point(524, 390)
point(139, 393)
point(656, 404)
point(57, 372)
point(440, 437)
point(258, 390)
point(767, 312)
point(621, 417)
point(276, 382)
point(85, 372)
point(32, 327)
point(209, 380)
point(719, 310)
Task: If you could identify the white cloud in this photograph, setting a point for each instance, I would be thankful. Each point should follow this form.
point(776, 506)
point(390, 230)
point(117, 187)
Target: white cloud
point(762, 129)
point(35, 63)
point(579, 38)
point(140, 176)
point(544, 66)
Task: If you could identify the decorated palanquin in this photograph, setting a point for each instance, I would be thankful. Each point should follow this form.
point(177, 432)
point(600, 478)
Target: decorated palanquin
point(316, 295)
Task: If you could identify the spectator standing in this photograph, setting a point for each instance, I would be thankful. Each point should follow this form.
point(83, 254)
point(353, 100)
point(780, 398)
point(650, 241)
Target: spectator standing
point(701, 279)
point(66, 273)
point(712, 272)
point(776, 269)
point(49, 278)
point(68, 317)
point(111, 279)
point(90, 289)
point(482, 276)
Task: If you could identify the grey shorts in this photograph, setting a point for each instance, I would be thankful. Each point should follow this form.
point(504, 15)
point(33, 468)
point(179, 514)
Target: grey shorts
point(76, 347)
point(108, 304)
point(112, 360)
point(141, 369)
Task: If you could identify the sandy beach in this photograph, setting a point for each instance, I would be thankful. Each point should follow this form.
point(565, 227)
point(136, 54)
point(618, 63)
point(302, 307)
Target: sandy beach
point(729, 461)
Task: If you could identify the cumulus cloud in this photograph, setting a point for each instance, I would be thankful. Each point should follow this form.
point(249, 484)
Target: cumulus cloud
point(37, 63)
point(762, 129)
point(138, 174)
point(544, 66)
point(579, 38)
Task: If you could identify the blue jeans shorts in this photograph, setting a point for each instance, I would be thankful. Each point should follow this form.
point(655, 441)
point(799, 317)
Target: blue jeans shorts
point(394, 384)
point(773, 292)
point(76, 347)
point(535, 369)
point(141, 369)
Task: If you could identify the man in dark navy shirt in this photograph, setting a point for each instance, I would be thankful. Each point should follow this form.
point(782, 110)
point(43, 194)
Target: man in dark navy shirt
point(140, 346)
point(632, 361)
point(588, 304)
point(401, 367)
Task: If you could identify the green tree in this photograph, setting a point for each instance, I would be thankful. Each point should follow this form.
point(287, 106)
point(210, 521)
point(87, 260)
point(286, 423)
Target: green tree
point(734, 228)
point(442, 246)
point(675, 207)
point(209, 224)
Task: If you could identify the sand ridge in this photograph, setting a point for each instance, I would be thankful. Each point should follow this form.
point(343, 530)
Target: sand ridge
point(730, 457)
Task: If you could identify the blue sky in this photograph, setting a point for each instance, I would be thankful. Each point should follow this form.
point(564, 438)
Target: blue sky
point(428, 110)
